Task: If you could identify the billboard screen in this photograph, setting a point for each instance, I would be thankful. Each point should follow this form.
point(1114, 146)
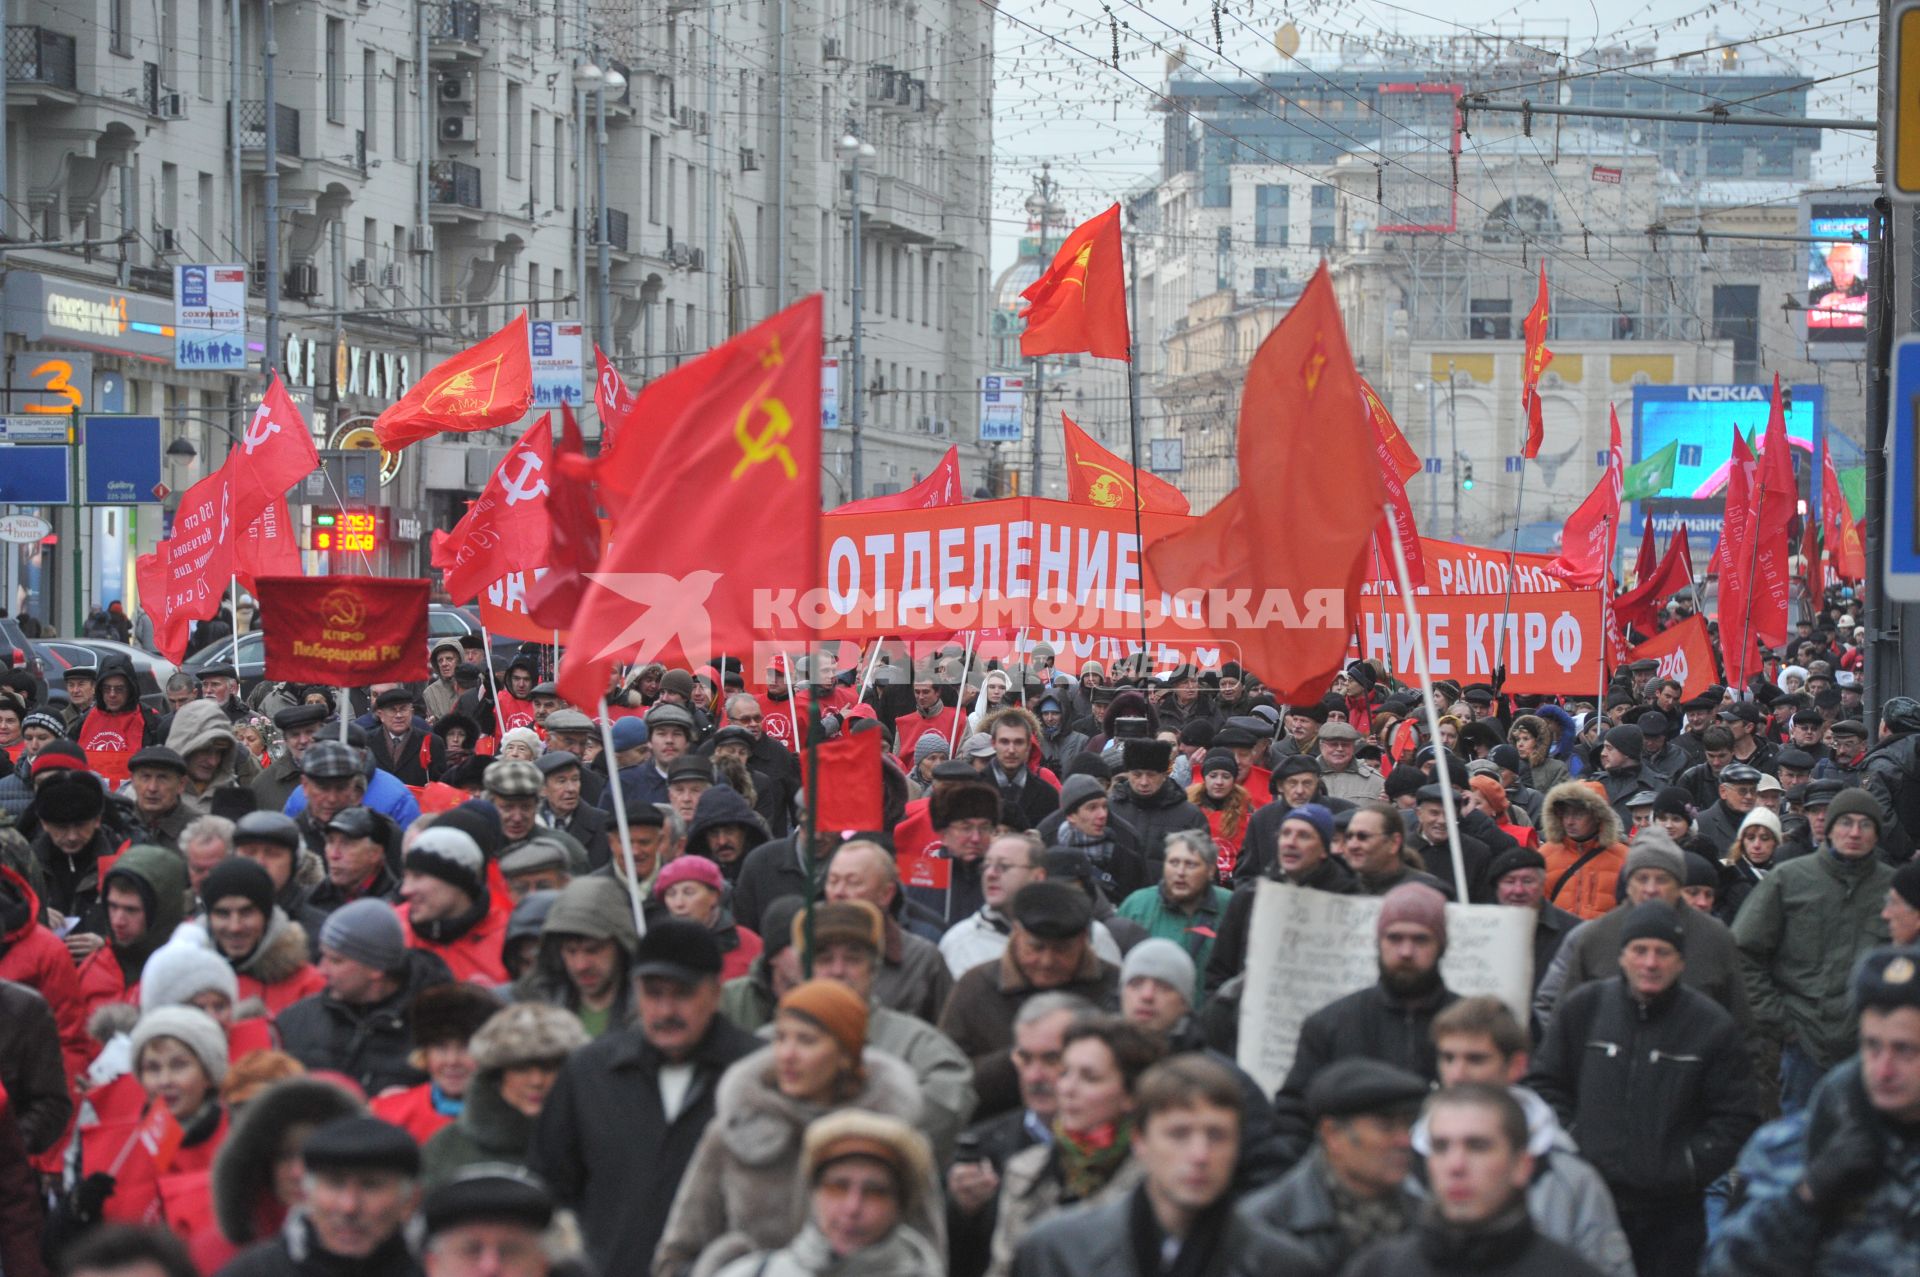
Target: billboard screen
point(1839, 276)
point(1701, 420)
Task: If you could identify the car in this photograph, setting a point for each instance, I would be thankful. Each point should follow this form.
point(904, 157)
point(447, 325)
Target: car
point(32, 655)
point(151, 672)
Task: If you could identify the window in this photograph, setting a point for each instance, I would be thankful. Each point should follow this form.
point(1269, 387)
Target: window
point(1320, 236)
point(1223, 258)
point(1523, 217)
point(1322, 198)
point(117, 38)
point(209, 56)
point(1490, 318)
point(653, 178)
point(1270, 216)
point(402, 72)
point(533, 163)
point(203, 208)
point(559, 162)
point(337, 70)
point(516, 131)
point(369, 95)
point(1736, 318)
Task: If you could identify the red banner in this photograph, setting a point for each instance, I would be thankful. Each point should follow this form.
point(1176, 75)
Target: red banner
point(1553, 644)
point(940, 487)
point(507, 529)
point(1474, 569)
point(182, 580)
point(269, 547)
point(1685, 653)
point(344, 631)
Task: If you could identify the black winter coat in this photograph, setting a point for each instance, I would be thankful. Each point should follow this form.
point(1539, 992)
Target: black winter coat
point(1152, 818)
point(295, 1253)
point(1659, 1096)
point(1891, 773)
point(606, 1148)
point(768, 872)
point(369, 1044)
point(404, 762)
point(1507, 1248)
point(30, 1066)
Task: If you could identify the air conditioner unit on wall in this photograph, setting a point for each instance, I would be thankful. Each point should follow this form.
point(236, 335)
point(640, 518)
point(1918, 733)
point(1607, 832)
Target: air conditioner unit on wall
point(359, 272)
point(830, 49)
point(458, 128)
point(302, 280)
point(456, 88)
point(697, 259)
point(683, 117)
point(173, 106)
point(393, 275)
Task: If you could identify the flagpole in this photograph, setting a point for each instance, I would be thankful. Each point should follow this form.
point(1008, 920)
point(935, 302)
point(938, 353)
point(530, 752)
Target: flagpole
point(1133, 425)
point(1607, 530)
point(1386, 625)
point(960, 698)
point(620, 818)
point(493, 689)
point(341, 692)
point(1513, 553)
point(1432, 715)
point(872, 667)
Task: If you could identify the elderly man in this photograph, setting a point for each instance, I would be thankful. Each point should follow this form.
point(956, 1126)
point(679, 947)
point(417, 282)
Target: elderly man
point(1012, 861)
point(1739, 791)
point(1051, 948)
point(361, 1187)
point(402, 745)
point(964, 814)
point(298, 725)
point(221, 685)
point(1519, 879)
point(1663, 1113)
point(358, 1025)
point(1350, 1190)
point(1801, 933)
point(157, 778)
point(767, 756)
point(273, 841)
point(442, 691)
point(1375, 847)
point(490, 1219)
point(332, 779)
point(563, 805)
point(204, 843)
point(622, 1121)
point(513, 786)
point(1389, 1020)
point(1341, 772)
point(356, 861)
point(1186, 908)
point(913, 977)
point(447, 908)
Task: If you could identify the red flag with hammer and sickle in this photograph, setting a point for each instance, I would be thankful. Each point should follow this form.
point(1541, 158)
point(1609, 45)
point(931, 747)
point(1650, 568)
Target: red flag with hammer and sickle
point(484, 386)
point(722, 539)
point(1534, 326)
point(1079, 303)
point(507, 529)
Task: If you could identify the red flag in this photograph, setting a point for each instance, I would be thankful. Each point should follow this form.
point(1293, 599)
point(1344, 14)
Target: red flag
point(1733, 563)
point(1534, 326)
point(1643, 565)
point(850, 782)
point(625, 468)
point(1586, 544)
point(1096, 476)
point(1079, 303)
point(730, 517)
point(344, 631)
point(483, 387)
point(1779, 502)
point(611, 397)
point(269, 547)
point(1288, 534)
point(1639, 606)
point(574, 522)
point(1685, 653)
point(1844, 546)
point(182, 580)
point(507, 529)
point(1391, 447)
point(275, 452)
point(940, 487)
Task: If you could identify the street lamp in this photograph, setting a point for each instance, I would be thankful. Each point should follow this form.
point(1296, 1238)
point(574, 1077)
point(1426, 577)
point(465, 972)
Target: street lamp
point(590, 78)
point(856, 150)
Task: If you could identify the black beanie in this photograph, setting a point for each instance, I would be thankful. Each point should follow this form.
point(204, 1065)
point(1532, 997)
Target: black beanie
point(1404, 781)
point(238, 876)
point(1654, 920)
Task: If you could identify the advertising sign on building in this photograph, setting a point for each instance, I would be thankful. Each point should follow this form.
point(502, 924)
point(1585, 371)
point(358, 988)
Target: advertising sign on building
point(554, 345)
point(829, 394)
point(1840, 275)
point(210, 316)
point(1001, 400)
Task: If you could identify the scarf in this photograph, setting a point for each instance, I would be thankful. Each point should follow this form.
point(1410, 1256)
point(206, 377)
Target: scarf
point(1197, 1249)
point(1362, 1221)
point(447, 930)
point(1089, 1159)
point(1483, 1247)
point(901, 1253)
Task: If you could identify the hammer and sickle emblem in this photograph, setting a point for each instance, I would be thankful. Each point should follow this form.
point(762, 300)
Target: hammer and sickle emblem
point(262, 428)
point(777, 424)
point(526, 485)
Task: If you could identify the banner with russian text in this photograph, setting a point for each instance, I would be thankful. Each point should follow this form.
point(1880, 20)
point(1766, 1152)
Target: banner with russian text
point(1685, 653)
point(344, 631)
point(1553, 644)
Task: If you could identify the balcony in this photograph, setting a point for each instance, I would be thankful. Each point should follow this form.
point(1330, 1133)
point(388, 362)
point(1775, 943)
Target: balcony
point(252, 120)
point(616, 228)
point(453, 187)
point(897, 208)
point(38, 56)
point(454, 23)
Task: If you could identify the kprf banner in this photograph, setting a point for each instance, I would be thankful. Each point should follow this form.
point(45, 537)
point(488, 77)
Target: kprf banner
point(1685, 653)
point(1552, 643)
point(344, 631)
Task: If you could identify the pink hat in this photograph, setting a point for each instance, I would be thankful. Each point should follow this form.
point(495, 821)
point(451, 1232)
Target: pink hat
point(1417, 903)
point(689, 869)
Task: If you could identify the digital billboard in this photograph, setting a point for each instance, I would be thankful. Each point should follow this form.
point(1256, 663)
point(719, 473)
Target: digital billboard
point(1701, 420)
point(1839, 275)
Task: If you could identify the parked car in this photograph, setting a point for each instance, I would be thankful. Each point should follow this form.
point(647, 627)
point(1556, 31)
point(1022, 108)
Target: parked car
point(152, 672)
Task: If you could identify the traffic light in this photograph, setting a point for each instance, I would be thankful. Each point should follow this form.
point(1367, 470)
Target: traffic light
point(1466, 477)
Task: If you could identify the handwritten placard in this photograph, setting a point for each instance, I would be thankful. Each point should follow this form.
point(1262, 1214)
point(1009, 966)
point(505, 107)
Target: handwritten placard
point(1307, 948)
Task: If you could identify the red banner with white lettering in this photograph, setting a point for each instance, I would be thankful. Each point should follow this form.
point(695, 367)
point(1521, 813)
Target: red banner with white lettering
point(1554, 643)
point(344, 631)
point(1685, 653)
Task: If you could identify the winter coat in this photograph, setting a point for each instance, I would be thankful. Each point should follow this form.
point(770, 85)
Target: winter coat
point(243, 1200)
point(23, 1215)
point(276, 783)
point(1891, 773)
point(296, 1252)
point(370, 1044)
point(606, 1148)
point(32, 1072)
point(488, 1130)
point(1193, 927)
point(278, 972)
point(588, 826)
point(1096, 1238)
point(1032, 1194)
point(723, 805)
point(474, 954)
point(1770, 1232)
point(1152, 818)
point(202, 723)
point(329, 895)
point(1566, 1197)
point(912, 976)
point(113, 970)
point(1509, 1245)
point(1300, 1209)
point(1592, 953)
point(598, 909)
point(1026, 805)
point(32, 955)
point(1804, 929)
point(979, 1018)
point(1659, 1095)
point(741, 1192)
point(1586, 891)
point(901, 1253)
point(72, 883)
point(769, 871)
point(386, 796)
point(413, 1111)
point(1119, 861)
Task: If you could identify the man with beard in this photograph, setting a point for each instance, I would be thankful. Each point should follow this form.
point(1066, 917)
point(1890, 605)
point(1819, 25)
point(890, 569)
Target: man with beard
point(516, 694)
point(118, 723)
point(1390, 1021)
point(724, 829)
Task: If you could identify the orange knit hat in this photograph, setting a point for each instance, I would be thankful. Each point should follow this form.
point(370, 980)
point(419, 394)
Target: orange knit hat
point(836, 1009)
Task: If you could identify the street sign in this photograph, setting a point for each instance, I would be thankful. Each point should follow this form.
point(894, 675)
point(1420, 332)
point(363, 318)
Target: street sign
point(554, 347)
point(1903, 438)
point(1902, 158)
point(122, 460)
point(34, 429)
point(24, 529)
point(1001, 411)
point(35, 474)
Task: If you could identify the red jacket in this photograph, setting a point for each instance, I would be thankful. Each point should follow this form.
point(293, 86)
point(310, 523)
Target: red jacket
point(738, 959)
point(475, 955)
point(279, 972)
point(412, 1111)
point(101, 982)
point(32, 955)
point(910, 727)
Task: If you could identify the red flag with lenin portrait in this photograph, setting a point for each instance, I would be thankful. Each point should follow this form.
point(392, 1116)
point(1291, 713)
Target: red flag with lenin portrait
point(725, 525)
point(484, 386)
point(507, 529)
point(1295, 533)
point(344, 631)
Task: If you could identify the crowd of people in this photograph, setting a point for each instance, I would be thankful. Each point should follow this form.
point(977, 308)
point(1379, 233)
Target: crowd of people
point(447, 989)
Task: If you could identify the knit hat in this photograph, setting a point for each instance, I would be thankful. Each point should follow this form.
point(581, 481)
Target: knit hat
point(182, 969)
point(526, 1033)
point(1513, 859)
point(1762, 818)
point(368, 932)
point(50, 723)
point(689, 869)
point(451, 856)
point(1319, 817)
point(1078, 791)
point(1701, 872)
point(192, 1028)
point(1906, 883)
point(927, 744)
point(1856, 802)
point(834, 1007)
point(853, 1132)
point(1673, 801)
point(479, 820)
point(1417, 903)
point(238, 876)
point(1654, 848)
point(1628, 739)
point(1220, 760)
point(1654, 920)
point(840, 922)
point(1165, 961)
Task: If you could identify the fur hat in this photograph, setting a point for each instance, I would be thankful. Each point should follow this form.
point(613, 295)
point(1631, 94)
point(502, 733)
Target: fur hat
point(1147, 755)
point(964, 800)
point(450, 1013)
point(889, 1141)
point(69, 798)
point(243, 1168)
point(192, 1028)
point(526, 1033)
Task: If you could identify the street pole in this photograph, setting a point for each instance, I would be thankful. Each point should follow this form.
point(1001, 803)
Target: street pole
point(603, 328)
point(1453, 429)
point(1433, 450)
point(1043, 199)
point(271, 168)
point(856, 398)
point(580, 203)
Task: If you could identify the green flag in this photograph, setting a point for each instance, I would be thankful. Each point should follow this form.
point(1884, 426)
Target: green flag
point(1651, 477)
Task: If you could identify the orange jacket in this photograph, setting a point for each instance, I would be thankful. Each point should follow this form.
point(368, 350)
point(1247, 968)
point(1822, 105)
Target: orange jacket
point(1594, 889)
